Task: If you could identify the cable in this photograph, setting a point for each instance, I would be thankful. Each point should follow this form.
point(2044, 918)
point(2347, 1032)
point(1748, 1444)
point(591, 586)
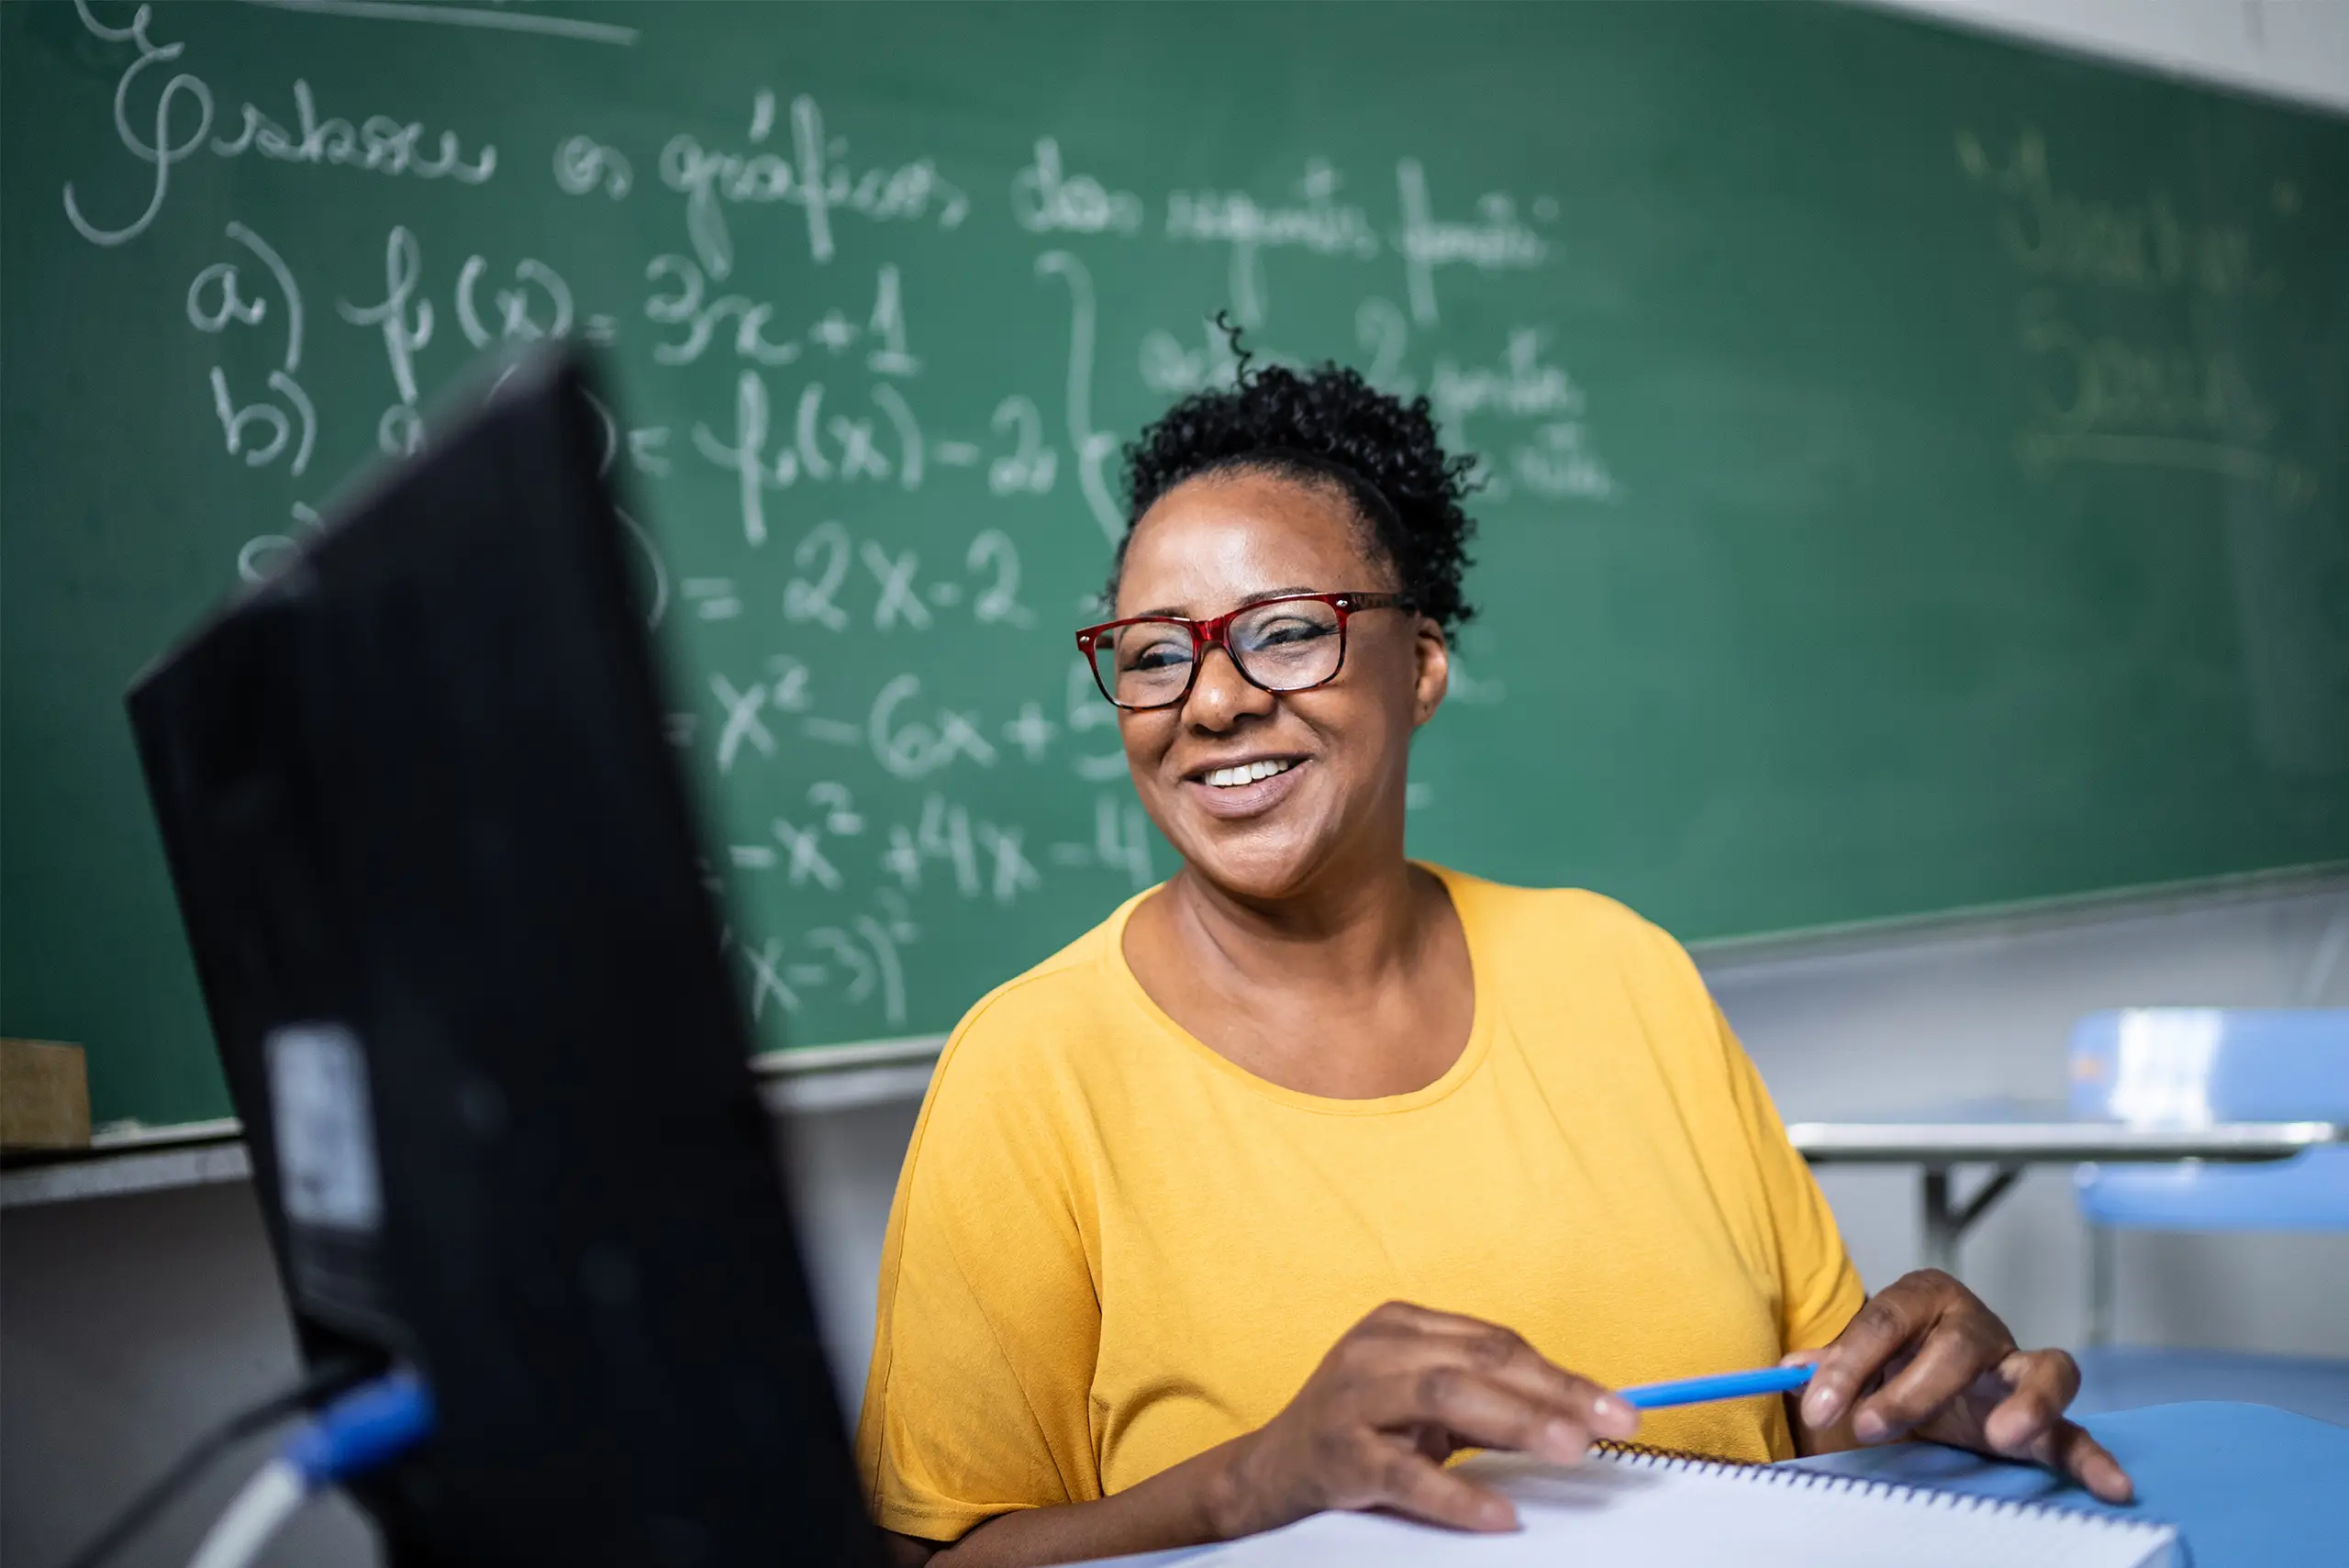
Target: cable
point(366, 1428)
point(274, 1495)
point(330, 1378)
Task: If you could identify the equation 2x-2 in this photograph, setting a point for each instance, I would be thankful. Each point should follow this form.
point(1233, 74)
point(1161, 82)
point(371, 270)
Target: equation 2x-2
point(827, 563)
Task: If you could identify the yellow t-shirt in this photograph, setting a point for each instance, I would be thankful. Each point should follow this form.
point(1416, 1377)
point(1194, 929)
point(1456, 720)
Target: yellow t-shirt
point(1112, 1249)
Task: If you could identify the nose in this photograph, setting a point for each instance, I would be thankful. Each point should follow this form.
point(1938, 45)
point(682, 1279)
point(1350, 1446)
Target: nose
point(1220, 695)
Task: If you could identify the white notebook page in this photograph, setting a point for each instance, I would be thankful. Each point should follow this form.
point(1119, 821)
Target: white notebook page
point(1648, 1511)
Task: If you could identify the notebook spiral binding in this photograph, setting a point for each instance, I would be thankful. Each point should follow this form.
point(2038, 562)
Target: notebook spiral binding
point(1645, 1456)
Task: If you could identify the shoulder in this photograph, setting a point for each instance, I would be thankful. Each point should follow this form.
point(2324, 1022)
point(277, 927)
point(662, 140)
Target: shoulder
point(1560, 953)
point(1563, 923)
point(1032, 1023)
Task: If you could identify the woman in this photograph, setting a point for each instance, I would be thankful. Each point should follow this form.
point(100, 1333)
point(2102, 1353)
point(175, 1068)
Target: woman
point(1314, 1165)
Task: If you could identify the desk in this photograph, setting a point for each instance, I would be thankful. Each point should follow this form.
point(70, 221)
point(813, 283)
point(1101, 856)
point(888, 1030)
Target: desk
point(2247, 1486)
point(2010, 1138)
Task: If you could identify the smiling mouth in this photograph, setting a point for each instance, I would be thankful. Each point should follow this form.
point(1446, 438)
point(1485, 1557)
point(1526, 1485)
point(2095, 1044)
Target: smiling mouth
point(1245, 773)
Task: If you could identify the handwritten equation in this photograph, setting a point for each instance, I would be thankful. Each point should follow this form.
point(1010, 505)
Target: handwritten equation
point(866, 545)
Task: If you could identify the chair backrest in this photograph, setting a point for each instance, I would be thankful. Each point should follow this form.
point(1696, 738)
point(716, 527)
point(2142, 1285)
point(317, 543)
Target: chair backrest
point(2193, 1065)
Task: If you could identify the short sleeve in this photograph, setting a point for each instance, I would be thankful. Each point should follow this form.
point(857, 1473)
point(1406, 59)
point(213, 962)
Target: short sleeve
point(987, 1325)
point(1819, 1288)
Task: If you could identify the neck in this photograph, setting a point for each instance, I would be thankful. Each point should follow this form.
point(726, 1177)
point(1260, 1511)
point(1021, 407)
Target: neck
point(1351, 926)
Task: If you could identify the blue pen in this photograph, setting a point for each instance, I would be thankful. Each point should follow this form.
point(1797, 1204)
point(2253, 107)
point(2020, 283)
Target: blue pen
point(1728, 1385)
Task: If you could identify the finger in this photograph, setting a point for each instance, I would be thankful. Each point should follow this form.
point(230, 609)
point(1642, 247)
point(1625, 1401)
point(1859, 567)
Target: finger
point(1509, 1361)
point(1944, 1368)
point(2043, 1382)
point(1411, 1485)
point(2070, 1449)
point(1430, 1441)
point(1486, 1411)
point(1876, 1333)
point(1506, 1357)
point(1410, 1317)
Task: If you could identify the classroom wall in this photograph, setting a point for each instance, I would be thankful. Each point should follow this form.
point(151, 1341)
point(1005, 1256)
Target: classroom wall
point(128, 1324)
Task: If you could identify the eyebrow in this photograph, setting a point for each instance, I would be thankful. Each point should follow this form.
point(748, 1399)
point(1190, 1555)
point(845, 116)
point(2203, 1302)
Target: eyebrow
point(1175, 613)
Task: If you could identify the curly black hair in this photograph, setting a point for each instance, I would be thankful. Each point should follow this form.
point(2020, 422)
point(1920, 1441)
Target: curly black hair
point(1329, 427)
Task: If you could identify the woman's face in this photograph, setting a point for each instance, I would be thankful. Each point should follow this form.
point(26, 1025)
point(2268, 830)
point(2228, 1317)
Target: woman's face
point(1206, 548)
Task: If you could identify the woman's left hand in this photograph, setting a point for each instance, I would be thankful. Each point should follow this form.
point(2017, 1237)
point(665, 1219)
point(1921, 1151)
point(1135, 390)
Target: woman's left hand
point(1926, 1359)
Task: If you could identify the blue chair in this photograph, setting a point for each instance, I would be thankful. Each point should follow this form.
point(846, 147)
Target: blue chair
point(2156, 1065)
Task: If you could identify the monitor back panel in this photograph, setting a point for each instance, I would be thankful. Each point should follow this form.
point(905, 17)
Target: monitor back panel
point(579, 1229)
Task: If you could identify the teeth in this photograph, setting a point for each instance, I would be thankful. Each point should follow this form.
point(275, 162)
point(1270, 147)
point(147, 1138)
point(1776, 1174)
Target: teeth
point(1246, 773)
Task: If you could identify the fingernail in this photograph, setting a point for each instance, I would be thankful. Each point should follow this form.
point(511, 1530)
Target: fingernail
point(1613, 1416)
point(1870, 1426)
point(1562, 1443)
point(1495, 1513)
point(1820, 1406)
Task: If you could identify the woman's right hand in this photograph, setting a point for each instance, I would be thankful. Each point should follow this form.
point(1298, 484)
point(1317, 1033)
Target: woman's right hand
point(1401, 1391)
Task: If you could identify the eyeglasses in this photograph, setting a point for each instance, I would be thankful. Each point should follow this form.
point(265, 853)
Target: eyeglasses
point(1289, 644)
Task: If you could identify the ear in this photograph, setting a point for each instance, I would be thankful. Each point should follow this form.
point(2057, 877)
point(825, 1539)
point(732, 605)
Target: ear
point(1432, 654)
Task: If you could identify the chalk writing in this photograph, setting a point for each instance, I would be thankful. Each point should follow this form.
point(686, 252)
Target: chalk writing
point(868, 950)
point(1384, 334)
point(1318, 223)
point(259, 432)
point(583, 165)
point(1093, 447)
point(682, 299)
point(405, 331)
point(1046, 201)
point(816, 178)
point(1497, 240)
point(296, 421)
point(378, 143)
point(918, 748)
point(2048, 232)
point(1169, 368)
point(217, 296)
point(2142, 390)
point(825, 558)
point(1030, 467)
point(517, 308)
point(824, 444)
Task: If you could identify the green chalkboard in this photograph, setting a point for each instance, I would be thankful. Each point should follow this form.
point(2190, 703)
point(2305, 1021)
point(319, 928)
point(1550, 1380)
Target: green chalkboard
point(1915, 464)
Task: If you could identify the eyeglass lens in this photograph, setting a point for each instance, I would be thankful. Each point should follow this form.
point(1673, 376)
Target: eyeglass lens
point(1283, 646)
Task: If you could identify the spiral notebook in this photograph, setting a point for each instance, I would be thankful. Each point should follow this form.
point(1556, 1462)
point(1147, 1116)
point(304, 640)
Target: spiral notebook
point(1663, 1510)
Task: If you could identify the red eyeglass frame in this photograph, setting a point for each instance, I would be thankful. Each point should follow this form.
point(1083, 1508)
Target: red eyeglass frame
point(1216, 633)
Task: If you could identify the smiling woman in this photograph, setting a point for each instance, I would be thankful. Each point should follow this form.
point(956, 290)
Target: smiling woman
point(1316, 1164)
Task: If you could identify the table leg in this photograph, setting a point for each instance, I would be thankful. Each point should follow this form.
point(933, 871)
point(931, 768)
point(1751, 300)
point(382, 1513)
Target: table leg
point(1941, 1225)
point(1946, 1222)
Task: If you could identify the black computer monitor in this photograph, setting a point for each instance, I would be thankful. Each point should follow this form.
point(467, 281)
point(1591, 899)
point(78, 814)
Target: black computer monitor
point(439, 872)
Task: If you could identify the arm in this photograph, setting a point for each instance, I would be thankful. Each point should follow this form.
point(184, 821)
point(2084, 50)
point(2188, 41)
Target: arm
point(1397, 1395)
point(1175, 1508)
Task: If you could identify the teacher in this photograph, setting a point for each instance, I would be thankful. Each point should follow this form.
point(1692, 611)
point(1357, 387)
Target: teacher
point(1315, 1164)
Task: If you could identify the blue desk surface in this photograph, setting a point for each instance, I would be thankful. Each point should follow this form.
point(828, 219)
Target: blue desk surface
point(2248, 1486)
point(2130, 1377)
